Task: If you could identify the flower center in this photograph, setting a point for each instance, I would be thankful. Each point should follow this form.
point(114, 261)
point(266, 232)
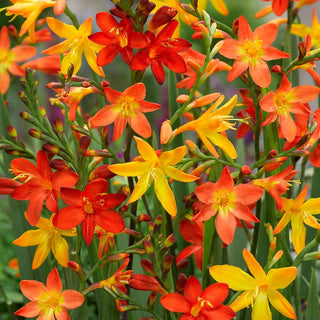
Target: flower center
point(120, 35)
point(282, 103)
point(6, 59)
point(253, 48)
point(222, 199)
point(195, 310)
point(87, 206)
point(128, 105)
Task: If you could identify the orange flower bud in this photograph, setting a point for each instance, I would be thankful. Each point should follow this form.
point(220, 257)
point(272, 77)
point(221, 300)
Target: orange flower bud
point(182, 98)
point(165, 132)
point(148, 267)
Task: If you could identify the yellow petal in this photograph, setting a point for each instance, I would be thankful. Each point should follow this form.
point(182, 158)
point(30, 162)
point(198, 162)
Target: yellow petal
point(282, 277)
point(92, 59)
point(60, 249)
point(312, 206)
point(282, 223)
point(298, 234)
point(173, 156)
point(41, 254)
point(300, 30)
point(141, 187)
point(253, 265)
point(220, 6)
point(224, 143)
point(146, 151)
point(130, 169)
point(164, 193)
point(30, 238)
point(61, 29)
point(261, 309)
point(236, 278)
point(85, 28)
point(280, 303)
point(178, 175)
point(244, 300)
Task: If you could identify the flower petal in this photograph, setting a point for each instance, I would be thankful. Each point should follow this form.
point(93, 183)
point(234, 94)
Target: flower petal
point(192, 289)
point(281, 304)
point(282, 277)
point(72, 299)
point(175, 302)
point(253, 265)
point(32, 289)
point(261, 309)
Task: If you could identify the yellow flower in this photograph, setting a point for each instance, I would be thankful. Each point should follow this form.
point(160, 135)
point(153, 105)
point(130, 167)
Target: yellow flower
point(48, 238)
point(76, 44)
point(210, 127)
point(299, 212)
point(257, 289)
point(150, 168)
point(31, 9)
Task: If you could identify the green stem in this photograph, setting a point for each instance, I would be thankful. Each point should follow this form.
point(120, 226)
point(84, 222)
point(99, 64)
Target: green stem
point(8, 303)
point(71, 16)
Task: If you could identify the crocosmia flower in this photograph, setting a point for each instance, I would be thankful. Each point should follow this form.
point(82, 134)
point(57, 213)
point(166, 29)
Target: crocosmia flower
point(299, 213)
point(90, 207)
point(196, 304)
point(40, 185)
point(286, 100)
point(116, 38)
point(48, 302)
point(227, 202)
point(151, 167)
point(252, 50)
point(76, 44)
point(48, 238)
point(10, 57)
point(162, 50)
point(31, 9)
point(258, 288)
point(126, 107)
point(210, 127)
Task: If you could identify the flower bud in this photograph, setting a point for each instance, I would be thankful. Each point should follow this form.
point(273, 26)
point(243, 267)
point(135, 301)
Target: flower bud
point(12, 132)
point(143, 218)
point(235, 26)
point(151, 301)
point(58, 126)
point(148, 247)
point(59, 164)
point(182, 264)
point(167, 263)
point(114, 258)
point(183, 98)
point(165, 132)
point(36, 133)
point(84, 143)
point(98, 153)
point(50, 148)
point(181, 281)
point(169, 242)
point(148, 267)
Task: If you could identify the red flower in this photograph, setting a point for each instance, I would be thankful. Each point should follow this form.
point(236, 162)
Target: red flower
point(40, 184)
point(90, 207)
point(197, 304)
point(116, 37)
point(162, 50)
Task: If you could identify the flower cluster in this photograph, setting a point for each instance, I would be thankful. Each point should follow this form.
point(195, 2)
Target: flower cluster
point(158, 182)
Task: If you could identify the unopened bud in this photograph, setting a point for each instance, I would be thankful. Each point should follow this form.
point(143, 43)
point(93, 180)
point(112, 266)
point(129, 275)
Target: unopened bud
point(148, 267)
point(80, 129)
point(58, 126)
point(121, 295)
point(98, 153)
point(13, 31)
point(84, 143)
point(50, 148)
point(277, 69)
point(181, 281)
point(167, 263)
point(169, 242)
point(188, 9)
point(104, 135)
point(162, 16)
point(59, 164)
point(151, 300)
point(151, 227)
point(114, 258)
point(70, 71)
point(302, 50)
point(148, 247)
point(182, 264)
point(183, 98)
point(273, 153)
point(25, 115)
point(165, 132)
point(235, 26)
point(43, 112)
point(12, 132)
point(35, 133)
point(143, 218)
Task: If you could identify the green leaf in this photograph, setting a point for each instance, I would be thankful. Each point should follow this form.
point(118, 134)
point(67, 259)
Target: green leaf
point(313, 309)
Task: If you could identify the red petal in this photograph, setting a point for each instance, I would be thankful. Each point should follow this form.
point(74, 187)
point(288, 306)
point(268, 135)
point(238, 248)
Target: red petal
point(106, 21)
point(4, 39)
point(32, 289)
point(101, 38)
point(35, 208)
point(119, 126)
point(109, 201)
point(174, 62)
point(30, 310)
point(72, 197)
point(216, 293)
point(96, 186)
point(221, 312)
point(140, 125)
point(110, 221)
point(54, 281)
point(192, 289)
point(140, 61)
point(68, 218)
point(107, 54)
point(104, 116)
point(137, 91)
point(225, 225)
point(225, 181)
point(175, 302)
point(87, 227)
point(72, 299)
point(64, 178)
point(267, 33)
point(247, 194)
point(43, 165)
point(260, 74)
point(245, 31)
point(137, 40)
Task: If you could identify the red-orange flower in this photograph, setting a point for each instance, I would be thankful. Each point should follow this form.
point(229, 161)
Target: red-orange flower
point(117, 38)
point(40, 185)
point(10, 57)
point(162, 50)
point(48, 302)
point(90, 207)
point(277, 185)
point(252, 50)
point(127, 106)
point(227, 202)
point(197, 304)
point(192, 232)
point(284, 100)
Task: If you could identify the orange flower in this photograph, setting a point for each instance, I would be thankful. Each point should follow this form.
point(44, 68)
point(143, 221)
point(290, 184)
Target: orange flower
point(227, 202)
point(50, 64)
point(48, 302)
point(40, 185)
point(252, 50)
point(9, 59)
point(127, 106)
point(277, 184)
point(284, 100)
point(31, 9)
